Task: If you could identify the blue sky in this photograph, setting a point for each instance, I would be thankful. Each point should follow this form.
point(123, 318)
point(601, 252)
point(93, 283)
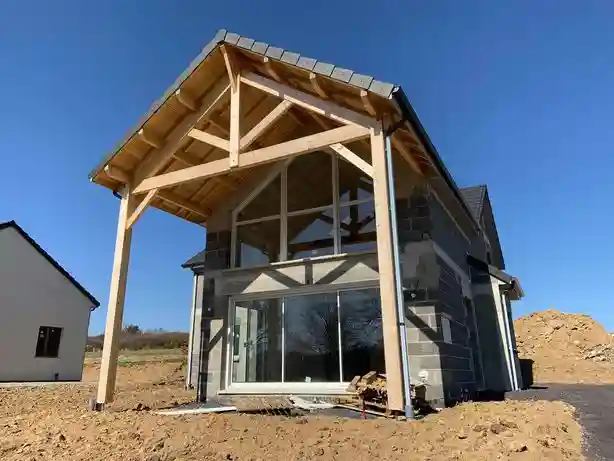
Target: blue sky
point(519, 95)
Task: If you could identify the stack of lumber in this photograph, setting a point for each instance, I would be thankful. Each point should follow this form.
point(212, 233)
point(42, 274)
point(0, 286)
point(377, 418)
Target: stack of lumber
point(371, 394)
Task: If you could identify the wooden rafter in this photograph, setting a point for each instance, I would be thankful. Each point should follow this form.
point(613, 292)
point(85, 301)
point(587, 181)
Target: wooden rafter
point(209, 138)
point(366, 101)
point(117, 174)
point(150, 138)
point(406, 154)
point(253, 134)
point(175, 199)
point(308, 101)
point(156, 160)
point(268, 67)
point(315, 84)
point(186, 100)
point(252, 158)
point(231, 66)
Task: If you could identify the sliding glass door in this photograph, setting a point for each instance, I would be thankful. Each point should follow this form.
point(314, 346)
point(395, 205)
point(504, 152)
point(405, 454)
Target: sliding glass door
point(307, 338)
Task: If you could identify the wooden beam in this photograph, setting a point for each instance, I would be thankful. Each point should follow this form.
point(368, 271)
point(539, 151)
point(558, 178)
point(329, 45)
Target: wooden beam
point(115, 311)
point(209, 138)
point(264, 124)
point(407, 156)
point(308, 101)
point(385, 258)
point(156, 160)
point(354, 159)
point(150, 138)
point(175, 199)
point(140, 208)
point(364, 95)
point(117, 174)
point(313, 79)
point(269, 69)
point(235, 124)
point(186, 100)
point(231, 67)
point(286, 149)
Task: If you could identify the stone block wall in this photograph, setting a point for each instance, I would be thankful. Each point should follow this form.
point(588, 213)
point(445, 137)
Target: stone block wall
point(437, 322)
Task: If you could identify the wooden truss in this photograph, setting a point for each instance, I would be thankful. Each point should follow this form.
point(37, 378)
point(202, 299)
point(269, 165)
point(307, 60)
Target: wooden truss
point(146, 184)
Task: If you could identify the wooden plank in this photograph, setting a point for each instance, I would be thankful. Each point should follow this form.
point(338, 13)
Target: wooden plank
point(354, 159)
point(209, 138)
point(269, 69)
point(235, 124)
point(286, 149)
point(264, 124)
point(385, 257)
point(308, 101)
point(156, 160)
point(315, 84)
point(364, 96)
point(141, 207)
point(186, 99)
point(115, 310)
point(177, 200)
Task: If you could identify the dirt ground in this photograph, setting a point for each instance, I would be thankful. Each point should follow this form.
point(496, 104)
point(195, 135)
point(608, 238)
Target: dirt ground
point(566, 348)
point(53, 423)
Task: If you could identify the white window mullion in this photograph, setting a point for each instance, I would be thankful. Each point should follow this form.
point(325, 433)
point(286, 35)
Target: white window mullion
point(283, 339)
point(339, 337)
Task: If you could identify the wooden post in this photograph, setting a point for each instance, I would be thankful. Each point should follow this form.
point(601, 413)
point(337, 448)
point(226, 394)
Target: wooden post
point(388, 291)
point(108, 367)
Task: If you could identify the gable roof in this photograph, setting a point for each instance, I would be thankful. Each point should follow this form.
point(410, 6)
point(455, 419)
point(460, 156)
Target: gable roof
point(474, 198)
point(53, 262)
point(300, 68)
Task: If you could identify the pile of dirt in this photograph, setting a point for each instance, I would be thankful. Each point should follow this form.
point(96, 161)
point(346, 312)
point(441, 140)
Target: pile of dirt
point(53, 423)
point(569, 348)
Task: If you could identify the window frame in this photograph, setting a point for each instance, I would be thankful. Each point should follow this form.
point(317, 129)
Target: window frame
point(282, 171)
point(45, 353)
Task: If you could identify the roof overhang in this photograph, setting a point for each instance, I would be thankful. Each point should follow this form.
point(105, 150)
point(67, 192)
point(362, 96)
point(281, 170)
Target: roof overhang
point(508, 282)
point(197, 99)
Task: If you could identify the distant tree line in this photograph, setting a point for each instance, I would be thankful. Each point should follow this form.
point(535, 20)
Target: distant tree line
point(133, 337)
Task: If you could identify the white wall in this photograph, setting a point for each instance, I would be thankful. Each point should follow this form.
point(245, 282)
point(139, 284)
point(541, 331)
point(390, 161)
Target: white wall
point(33, 293)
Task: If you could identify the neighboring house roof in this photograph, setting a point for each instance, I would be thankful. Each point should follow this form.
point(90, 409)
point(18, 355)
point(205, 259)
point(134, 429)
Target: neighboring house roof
point(474, 198)
point(331, 71)
point(54, 263)
point(513, 282)
point(196, 260)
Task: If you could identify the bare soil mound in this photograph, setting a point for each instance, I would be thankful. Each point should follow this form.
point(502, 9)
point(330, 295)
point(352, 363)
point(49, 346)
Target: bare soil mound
point(566, 348)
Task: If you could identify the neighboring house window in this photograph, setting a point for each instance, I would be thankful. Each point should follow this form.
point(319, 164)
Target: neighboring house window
point(318, 205)
point(48, 343)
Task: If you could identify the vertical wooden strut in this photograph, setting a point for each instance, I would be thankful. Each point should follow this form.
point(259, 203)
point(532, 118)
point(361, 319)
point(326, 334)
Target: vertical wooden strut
point(108, 367)
point(388, 292)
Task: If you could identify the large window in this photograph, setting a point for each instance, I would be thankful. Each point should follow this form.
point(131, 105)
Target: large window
point(324, 337)
point(48, 342)
point(317, 205)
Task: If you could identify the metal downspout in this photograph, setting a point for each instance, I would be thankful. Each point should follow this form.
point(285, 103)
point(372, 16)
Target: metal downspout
point(409, 413)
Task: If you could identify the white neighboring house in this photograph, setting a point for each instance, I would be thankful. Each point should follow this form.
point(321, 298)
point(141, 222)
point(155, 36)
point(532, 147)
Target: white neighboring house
point(44, 313)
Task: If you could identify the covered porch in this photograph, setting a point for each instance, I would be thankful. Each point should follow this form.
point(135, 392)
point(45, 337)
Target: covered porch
point(218, 150)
